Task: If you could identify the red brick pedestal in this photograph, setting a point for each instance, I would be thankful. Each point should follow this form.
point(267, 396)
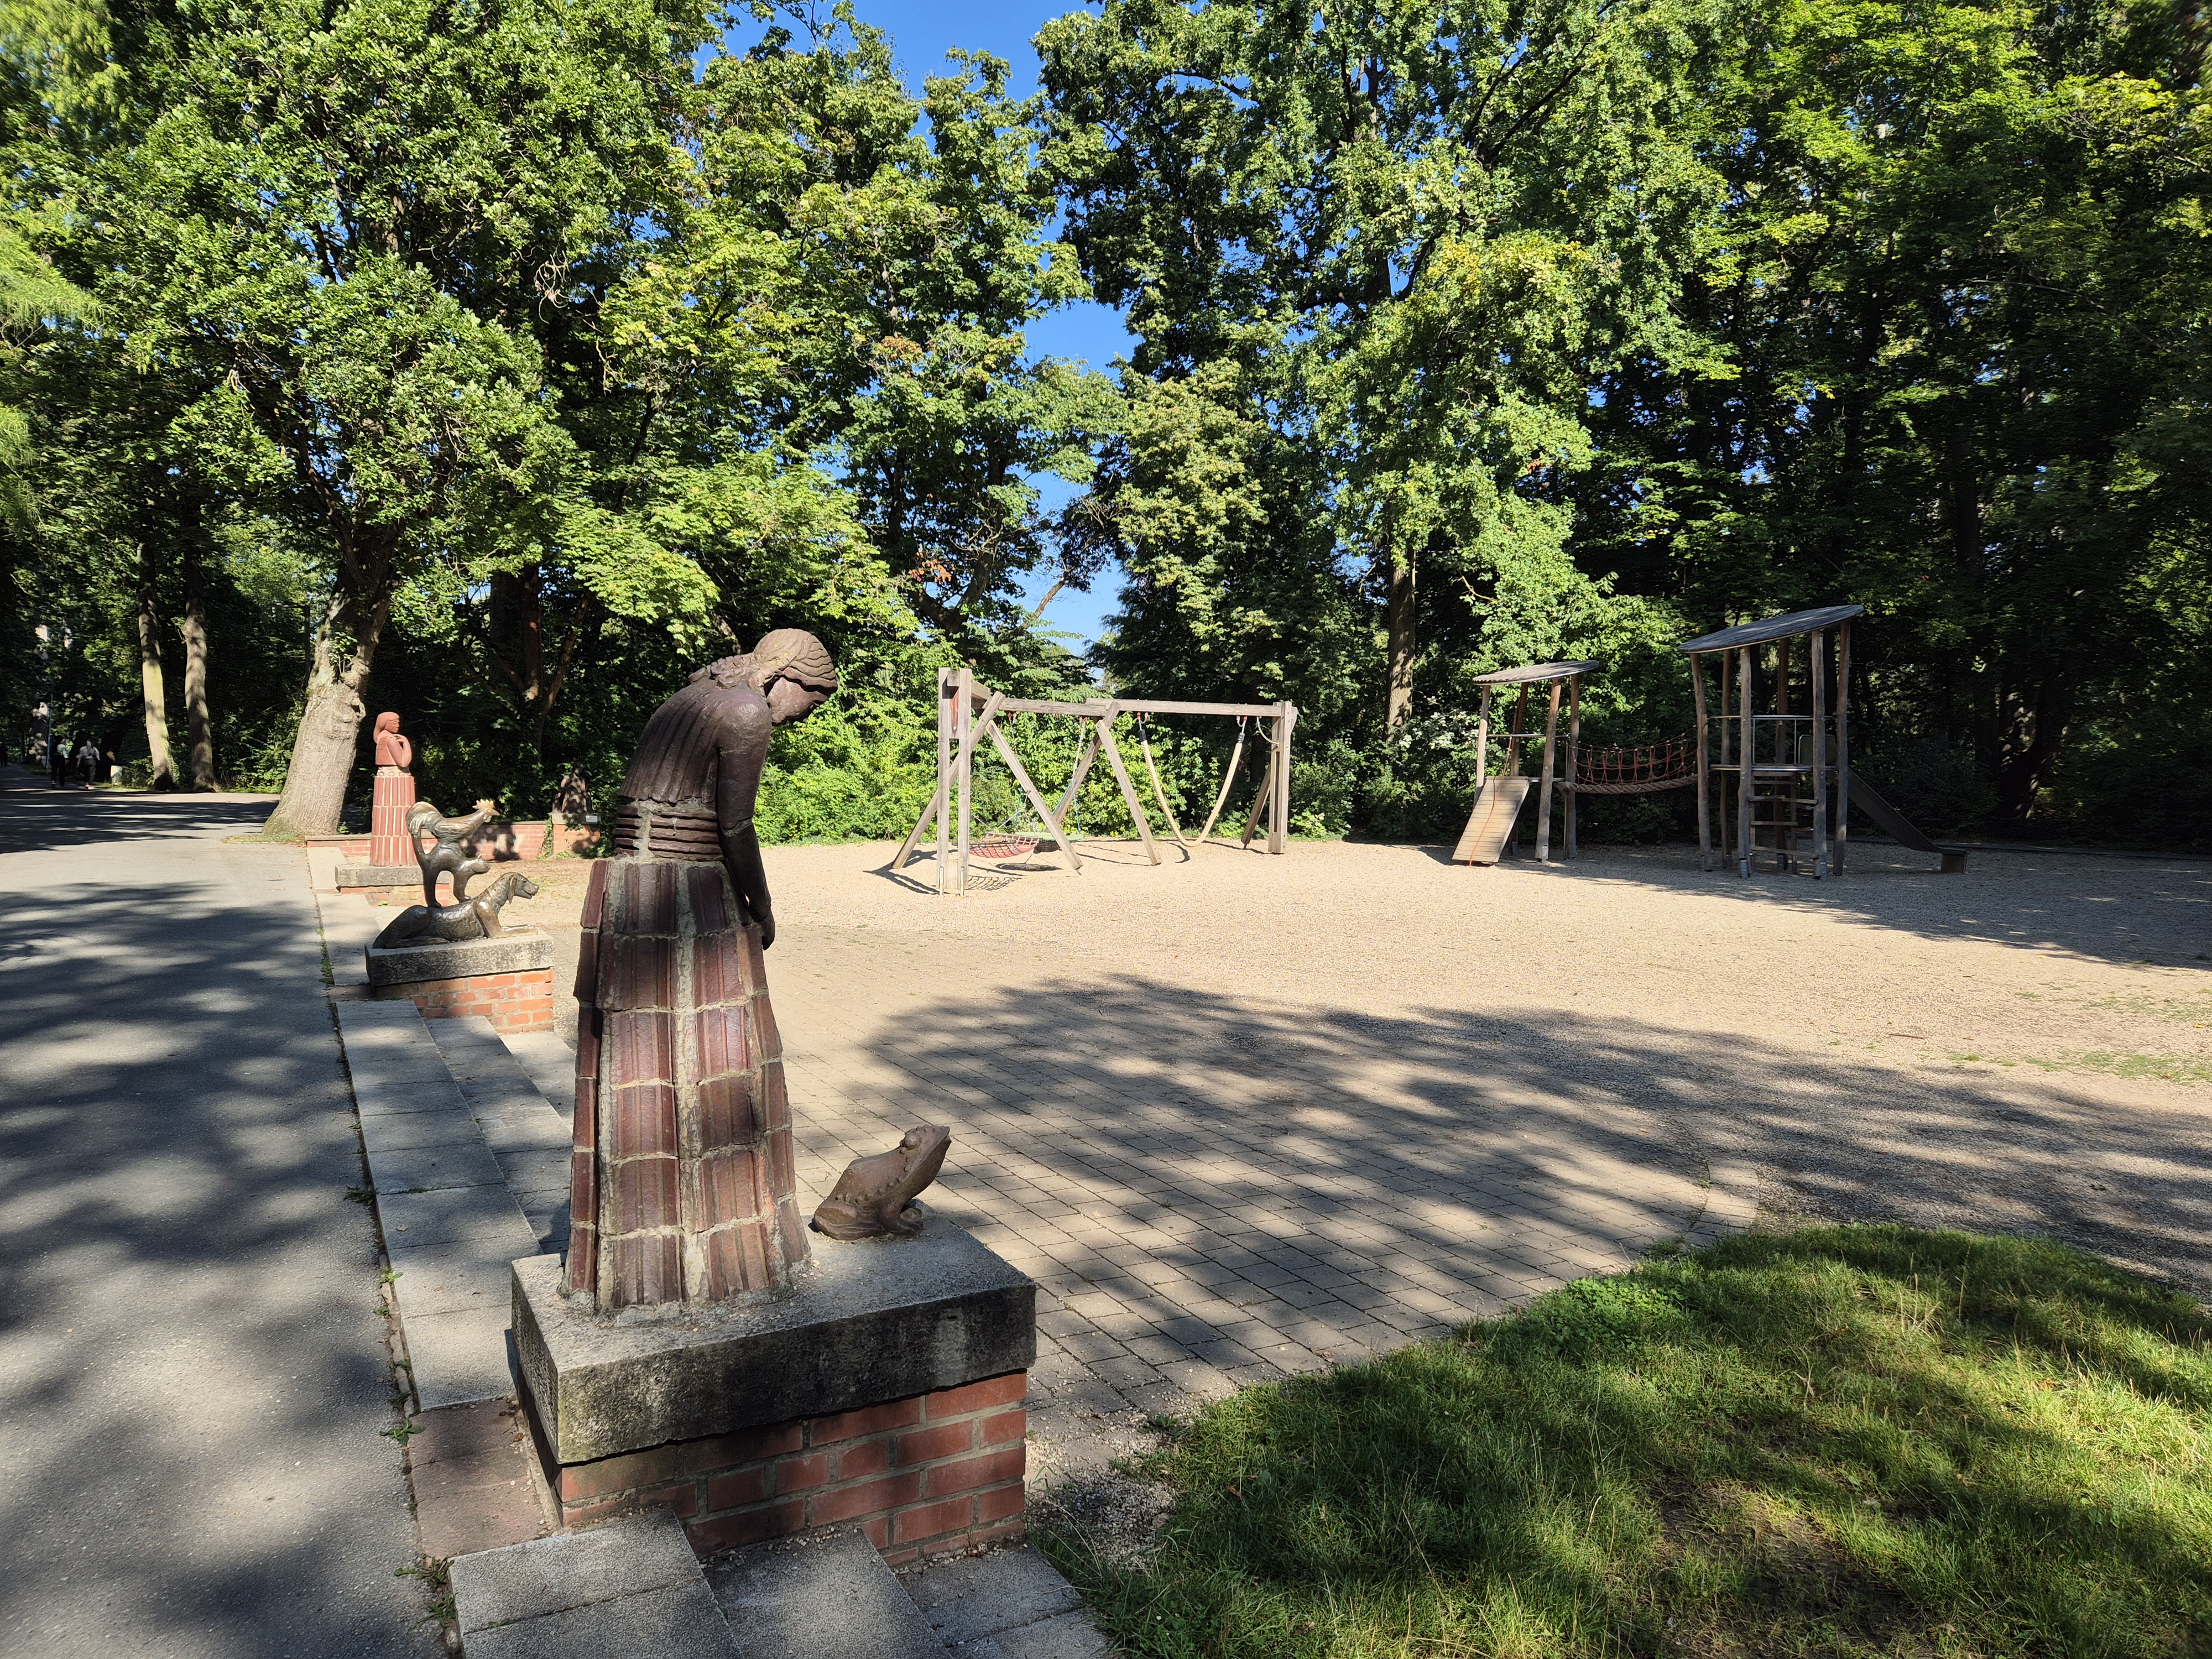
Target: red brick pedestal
point(389, 843)
point(932, 1475)
point(508, 978)
point(520, 1001)
point(885, 1390)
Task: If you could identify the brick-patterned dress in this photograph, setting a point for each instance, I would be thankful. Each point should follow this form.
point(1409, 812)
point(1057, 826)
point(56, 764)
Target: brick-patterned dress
point(683, 1188)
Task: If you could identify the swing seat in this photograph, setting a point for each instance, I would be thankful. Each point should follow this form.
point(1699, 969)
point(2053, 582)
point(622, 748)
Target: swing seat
point(1004, 847)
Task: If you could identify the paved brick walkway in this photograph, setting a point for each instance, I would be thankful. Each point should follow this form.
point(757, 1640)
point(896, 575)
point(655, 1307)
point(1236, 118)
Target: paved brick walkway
point(1209, 1190)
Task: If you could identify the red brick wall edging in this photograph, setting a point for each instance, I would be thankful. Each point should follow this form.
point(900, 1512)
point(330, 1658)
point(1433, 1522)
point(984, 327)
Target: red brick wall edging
point(938, 1473)
point(520, 1001)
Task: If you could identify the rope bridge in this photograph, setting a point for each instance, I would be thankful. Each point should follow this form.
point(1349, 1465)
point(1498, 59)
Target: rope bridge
point(1635, 771)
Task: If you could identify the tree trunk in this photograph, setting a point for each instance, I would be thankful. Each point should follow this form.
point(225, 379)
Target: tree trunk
point(330, 726)
point(1398, 619)
point(152, 691)
point(198, 727)
point(2035, 731)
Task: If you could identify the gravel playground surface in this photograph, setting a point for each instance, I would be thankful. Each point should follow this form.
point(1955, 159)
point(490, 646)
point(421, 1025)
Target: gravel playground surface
point(1477, 1081)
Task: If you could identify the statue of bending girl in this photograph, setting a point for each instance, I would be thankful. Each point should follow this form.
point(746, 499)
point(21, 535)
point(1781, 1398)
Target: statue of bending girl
point(682, 1187)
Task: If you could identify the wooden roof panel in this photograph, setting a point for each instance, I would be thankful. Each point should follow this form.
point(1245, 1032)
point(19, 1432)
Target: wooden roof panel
point(1536, 671)
point(1774, 627)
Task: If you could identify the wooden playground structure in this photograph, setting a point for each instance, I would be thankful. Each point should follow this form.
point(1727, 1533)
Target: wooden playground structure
point(1497, 801)
point(1778, 730)
point(968, 712)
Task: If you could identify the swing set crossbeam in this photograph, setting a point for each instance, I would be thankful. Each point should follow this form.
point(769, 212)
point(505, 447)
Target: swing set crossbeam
point(968, 713)
point(1098, 710)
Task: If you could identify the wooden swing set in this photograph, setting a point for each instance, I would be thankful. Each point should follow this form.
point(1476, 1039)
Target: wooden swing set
point(968, 712)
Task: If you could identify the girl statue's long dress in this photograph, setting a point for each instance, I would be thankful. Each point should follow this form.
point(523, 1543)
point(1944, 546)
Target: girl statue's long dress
point(682, 1185)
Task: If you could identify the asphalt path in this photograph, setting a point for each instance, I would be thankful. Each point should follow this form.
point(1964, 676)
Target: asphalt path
point(193, 1382)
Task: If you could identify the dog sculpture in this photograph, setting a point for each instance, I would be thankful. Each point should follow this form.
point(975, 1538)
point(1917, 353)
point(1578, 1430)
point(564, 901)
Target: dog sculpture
point(870, 1199)
point(446, 924)
point(450, 856)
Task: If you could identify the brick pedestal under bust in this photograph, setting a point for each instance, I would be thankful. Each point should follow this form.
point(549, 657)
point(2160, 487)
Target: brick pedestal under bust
point(389, 843)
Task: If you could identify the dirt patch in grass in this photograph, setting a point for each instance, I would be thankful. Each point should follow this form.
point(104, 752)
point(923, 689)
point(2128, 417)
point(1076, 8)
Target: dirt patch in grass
point(1836, 1442)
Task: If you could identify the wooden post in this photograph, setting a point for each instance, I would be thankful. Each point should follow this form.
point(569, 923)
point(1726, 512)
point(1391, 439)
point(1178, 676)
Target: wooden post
point(1705, 764)
point(1128, 790)
point(962, 768)
point(1082, 768)
point(1513, 737)
point(1843, 740)
point(1482, 743)
point(1573, 775)
point(945, 718)
point(1279, 831)
point(1544, 787)
point(1263, 800)
point(1030, 790)
point(1816, 670)
point(1746, 749)
point(1228, 778)
point(934, 812)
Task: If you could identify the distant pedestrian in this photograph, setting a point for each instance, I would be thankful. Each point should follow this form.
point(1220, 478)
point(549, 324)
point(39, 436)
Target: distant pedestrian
point(58, 753)
point(87, 762)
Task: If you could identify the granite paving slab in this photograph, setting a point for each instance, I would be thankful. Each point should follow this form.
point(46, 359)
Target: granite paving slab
point(984, 1597)
point(821, 1597)
point(630, 1587)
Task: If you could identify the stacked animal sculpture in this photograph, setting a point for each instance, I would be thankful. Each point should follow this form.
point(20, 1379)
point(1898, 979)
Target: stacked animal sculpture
point(448, 853)
point(474, 918)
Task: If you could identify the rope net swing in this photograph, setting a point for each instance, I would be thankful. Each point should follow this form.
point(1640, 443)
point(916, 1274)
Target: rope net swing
point(1013, 837)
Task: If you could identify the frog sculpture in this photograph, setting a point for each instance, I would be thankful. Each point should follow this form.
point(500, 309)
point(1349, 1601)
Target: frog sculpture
point(870, 1198)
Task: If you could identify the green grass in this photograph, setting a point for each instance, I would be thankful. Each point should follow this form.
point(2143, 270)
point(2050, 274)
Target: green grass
point(2173, 1068)
point(1842, 1441)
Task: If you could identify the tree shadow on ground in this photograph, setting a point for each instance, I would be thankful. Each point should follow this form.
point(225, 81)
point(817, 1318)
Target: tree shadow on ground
point(1154, 1123)
point(37, 817)
point(176, 1143)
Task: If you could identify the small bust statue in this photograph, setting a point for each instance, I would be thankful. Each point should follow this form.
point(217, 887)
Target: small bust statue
point(392, 749)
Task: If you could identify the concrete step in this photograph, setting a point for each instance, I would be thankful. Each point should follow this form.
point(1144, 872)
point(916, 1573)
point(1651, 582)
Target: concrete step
point(820, 1597)
point(630, 1587)
point(451, 1224)
point(528, 1139)
point(1010, 1604)
point(349, 924)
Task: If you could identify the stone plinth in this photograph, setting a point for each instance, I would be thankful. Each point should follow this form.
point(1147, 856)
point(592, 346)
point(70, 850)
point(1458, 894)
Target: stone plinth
point(358, 877)
point(508, 980)
point(886, 1392)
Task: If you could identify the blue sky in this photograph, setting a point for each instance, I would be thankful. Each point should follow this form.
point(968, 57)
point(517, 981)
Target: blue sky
point(921, 35)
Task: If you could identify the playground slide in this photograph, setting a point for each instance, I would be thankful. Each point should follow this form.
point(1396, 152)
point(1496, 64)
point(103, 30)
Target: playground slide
point(1489, 825)
point(1900, 828)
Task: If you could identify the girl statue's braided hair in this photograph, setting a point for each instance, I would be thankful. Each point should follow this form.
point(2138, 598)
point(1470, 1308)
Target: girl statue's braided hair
point(789, 653)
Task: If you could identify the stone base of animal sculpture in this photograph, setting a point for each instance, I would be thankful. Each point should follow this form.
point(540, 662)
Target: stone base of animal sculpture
point(465, 919)
point(870, 1198)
